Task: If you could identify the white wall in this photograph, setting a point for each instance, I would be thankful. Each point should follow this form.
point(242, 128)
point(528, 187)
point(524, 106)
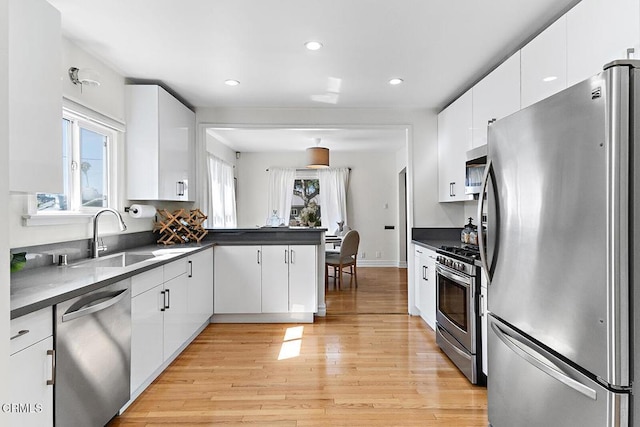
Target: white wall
point(4, 201)
point(372, 184)
point(220, 150)
point(107, 99)
point(424, 210)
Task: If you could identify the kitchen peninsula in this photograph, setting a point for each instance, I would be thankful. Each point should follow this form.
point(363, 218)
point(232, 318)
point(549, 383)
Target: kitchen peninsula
point(268, 274)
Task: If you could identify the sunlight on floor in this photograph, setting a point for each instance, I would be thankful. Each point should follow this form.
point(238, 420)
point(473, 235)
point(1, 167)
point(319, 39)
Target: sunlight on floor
point(292, 343)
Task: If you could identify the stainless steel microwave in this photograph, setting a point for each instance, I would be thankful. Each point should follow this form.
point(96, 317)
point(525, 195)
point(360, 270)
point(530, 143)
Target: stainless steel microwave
point(476, 162)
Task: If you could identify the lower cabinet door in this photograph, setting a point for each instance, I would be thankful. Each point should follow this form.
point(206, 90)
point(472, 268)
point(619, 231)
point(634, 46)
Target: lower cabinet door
point(275, 279)
point(430, 291)
point(31, 398)
point(303, 277)
point(146, 335)
point(200, 279)
point(176, 314)
point(237, 282)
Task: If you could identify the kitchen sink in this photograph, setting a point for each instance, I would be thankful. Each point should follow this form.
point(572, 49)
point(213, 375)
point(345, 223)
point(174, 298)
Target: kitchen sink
point(121, 259)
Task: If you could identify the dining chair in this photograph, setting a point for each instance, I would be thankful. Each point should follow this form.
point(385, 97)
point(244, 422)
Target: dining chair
point(347, 257)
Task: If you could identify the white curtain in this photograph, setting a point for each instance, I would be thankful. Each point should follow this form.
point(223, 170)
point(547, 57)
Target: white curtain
point(333, 197)
point(220, 199)
point(280, 192)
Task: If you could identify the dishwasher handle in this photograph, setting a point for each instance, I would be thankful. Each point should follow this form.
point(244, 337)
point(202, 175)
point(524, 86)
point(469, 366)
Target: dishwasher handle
point(88, 308)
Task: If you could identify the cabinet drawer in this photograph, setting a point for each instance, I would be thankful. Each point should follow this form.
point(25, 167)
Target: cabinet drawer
point(144, 281)
point(31, 328)
point(175, 269)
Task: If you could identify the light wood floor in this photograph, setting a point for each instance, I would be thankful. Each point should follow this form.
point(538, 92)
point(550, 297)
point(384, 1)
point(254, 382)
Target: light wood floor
point(366, 364)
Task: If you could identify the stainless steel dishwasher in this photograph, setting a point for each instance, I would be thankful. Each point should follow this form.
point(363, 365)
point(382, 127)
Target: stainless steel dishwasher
point(93, 356)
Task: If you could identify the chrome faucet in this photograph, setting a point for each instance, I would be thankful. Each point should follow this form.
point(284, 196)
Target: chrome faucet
point(96, 247)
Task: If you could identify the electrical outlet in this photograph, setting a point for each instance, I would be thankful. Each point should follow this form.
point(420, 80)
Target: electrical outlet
point(378, 254)
point(363, 255)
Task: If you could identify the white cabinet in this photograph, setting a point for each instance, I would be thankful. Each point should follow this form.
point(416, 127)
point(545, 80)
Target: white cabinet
point(454, 140)
point(496, 96)
point(544, 64)
point(160, 145)
point(147, 325)
point(35, 97)
point(237, 282)
point(200, 283)
point(31, 374)
point(265, 279)
point(303, 277)
point(598, 32)
point(176, 314)
point(425, 284)
point(275, 279)
point(168, 305)
point(484, 320)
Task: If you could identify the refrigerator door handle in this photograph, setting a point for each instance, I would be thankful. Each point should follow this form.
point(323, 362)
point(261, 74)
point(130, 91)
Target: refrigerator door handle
point(552, 371)
point(488, 174)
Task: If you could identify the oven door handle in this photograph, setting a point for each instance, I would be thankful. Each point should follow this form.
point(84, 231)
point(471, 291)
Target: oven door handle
point(443, 271)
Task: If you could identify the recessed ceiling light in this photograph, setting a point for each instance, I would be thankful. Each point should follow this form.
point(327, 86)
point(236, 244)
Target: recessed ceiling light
point(550, 79)
point(395, 81)
point(313, 45)
point(231, 82)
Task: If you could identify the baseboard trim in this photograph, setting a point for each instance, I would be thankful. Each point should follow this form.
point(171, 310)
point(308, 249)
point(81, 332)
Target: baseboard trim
point(377, 263)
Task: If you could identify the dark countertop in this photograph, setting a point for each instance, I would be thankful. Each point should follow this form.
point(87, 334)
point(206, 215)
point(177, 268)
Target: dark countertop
point(434, 237)
point(266, 236)
point(42, 287)
point(434, 244)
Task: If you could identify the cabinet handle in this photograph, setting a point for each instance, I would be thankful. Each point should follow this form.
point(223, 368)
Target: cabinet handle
point(258, 256)
point(164, 300)
point(481, 305)
point(52, 353)
point(180, 188)
point(286, 256)
point(167, 306)
point(292, 256)
point(190, 268)
point(452, 189)
point(20, 333)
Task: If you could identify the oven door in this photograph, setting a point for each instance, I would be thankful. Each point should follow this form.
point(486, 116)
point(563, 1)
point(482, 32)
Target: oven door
point(455, 302)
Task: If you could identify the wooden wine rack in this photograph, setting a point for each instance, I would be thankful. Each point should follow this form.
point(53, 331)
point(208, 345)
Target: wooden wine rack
point(181, 226)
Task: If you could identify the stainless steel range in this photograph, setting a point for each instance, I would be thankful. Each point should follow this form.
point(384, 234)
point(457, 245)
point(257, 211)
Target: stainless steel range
point(457, 309)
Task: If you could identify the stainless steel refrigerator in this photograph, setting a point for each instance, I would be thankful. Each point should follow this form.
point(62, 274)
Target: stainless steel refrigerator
point(562, 201)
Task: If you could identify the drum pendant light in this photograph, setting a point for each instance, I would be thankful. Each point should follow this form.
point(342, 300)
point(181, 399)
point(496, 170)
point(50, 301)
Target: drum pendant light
point(317, 157)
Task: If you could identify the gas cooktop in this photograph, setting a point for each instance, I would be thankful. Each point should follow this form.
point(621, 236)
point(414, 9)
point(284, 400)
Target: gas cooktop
point(464, 252)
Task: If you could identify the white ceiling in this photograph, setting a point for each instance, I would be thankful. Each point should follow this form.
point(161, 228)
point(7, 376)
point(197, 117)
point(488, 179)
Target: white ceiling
point(439, 47)
point(258, 139)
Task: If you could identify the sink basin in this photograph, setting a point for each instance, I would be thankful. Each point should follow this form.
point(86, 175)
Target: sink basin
point(121, 259)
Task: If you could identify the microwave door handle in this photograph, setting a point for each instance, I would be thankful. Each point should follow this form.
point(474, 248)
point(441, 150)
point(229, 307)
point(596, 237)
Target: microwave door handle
point(525, 352)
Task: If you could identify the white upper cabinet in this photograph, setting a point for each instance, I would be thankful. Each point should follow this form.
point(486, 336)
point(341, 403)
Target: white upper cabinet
point(598, 32)
point(544, 64)
point(496, 96)
point(35, 97)
point(160, 145)
point(454, 140)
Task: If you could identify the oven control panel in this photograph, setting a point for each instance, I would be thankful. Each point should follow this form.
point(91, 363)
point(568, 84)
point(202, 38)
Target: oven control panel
point(454, 264)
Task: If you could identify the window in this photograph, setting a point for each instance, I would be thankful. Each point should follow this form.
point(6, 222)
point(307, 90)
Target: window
point(87, 148)
point(305, 204)
point(220, 199)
